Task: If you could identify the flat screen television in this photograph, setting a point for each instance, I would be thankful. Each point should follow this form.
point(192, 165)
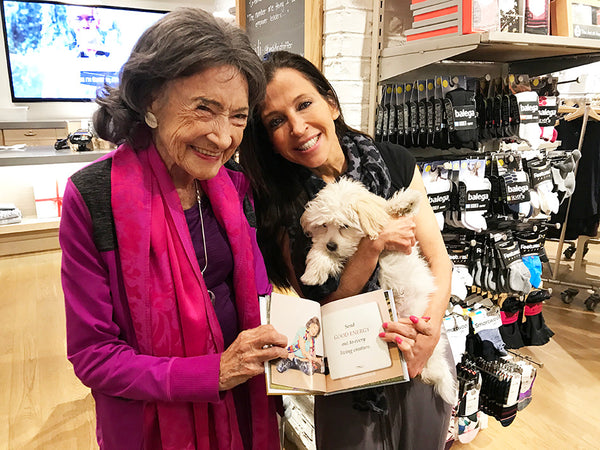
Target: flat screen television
point(66, 52)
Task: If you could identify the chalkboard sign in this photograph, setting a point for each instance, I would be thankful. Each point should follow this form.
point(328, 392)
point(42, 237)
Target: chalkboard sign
point(275, 25)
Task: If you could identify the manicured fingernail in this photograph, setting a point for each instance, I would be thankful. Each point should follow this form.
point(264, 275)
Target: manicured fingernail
point(414, 319)
point(425, 318)
point(382, 334)
point(398, 340)
point(384, 325)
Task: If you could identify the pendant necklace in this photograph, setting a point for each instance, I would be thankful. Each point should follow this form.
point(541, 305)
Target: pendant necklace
point(199, 199)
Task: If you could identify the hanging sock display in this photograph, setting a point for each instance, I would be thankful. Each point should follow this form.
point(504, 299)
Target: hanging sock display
point(510, 330)
point(534, 330)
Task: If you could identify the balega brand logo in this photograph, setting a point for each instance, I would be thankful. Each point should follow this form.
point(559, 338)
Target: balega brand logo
point(528, 107)
point(512, 188)
point(480, 196)
point(439, 198)
point(547, 111)
point(464, 113)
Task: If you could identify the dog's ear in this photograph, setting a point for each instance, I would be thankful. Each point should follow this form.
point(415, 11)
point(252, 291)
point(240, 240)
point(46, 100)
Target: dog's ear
point(305, 221)
point(370, 209)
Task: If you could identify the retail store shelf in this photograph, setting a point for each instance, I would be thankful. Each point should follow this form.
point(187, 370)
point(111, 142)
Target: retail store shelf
point(528, 53)
point(45, 155)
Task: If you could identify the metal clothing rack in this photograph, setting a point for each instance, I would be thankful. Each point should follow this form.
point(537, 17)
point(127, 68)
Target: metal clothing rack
point(525, 357)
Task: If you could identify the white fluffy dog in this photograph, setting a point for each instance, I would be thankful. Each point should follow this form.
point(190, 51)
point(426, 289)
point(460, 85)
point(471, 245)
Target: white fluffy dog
point(336, 219)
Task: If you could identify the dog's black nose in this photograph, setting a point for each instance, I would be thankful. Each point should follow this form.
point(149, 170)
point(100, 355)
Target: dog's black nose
point(331, 246)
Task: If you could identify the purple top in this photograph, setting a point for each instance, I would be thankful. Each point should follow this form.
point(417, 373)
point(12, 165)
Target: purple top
point(218, 275)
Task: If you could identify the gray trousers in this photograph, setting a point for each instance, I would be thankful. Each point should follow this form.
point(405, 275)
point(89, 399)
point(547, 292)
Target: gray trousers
point(416, 419)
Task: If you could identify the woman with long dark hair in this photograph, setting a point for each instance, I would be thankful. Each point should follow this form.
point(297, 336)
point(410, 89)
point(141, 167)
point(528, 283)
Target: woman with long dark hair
point(296, 143)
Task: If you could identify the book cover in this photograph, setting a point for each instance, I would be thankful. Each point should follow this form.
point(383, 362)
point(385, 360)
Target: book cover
point(480, 15)
point(511, 15)
point(332, 348)
point(537, 16)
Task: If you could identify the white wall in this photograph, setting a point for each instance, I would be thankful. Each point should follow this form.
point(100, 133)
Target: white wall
point(347, 35)
point(65, 110)
point(347, 28)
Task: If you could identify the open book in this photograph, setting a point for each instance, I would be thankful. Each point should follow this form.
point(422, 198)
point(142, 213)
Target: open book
point(332, 348)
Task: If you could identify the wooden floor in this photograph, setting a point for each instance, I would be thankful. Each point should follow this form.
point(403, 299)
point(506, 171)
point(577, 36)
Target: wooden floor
point(565, 410)
point(43, 405)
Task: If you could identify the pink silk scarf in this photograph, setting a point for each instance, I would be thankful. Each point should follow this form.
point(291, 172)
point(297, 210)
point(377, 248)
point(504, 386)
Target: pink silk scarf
point(170, 307)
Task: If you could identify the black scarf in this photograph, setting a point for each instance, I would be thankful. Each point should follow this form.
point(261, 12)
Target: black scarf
point(365, 164)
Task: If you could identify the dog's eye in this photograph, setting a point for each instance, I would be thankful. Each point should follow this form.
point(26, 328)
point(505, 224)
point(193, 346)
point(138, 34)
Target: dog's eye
point(324, 225)
point(344, 227)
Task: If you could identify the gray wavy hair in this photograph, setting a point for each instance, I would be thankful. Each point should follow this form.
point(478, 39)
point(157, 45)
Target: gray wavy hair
point(184, 42)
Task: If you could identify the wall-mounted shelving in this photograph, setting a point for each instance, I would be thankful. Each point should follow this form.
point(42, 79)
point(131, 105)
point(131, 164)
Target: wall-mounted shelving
point(46, 155)
point(526, 53)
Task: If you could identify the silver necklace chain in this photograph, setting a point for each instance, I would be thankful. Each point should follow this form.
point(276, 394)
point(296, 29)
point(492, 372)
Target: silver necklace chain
point(199, 199)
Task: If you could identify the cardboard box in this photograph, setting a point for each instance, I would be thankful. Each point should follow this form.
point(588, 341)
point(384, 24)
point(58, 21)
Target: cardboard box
point(433, 18)
point(575, 18)
point(442, 29)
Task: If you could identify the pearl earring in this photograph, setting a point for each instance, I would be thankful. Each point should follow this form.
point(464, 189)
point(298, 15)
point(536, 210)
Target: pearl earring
point(150, 120)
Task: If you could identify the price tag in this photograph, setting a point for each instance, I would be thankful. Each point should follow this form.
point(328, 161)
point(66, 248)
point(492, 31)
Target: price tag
point(526, 378)
point(472, 401)
point(486, 320)
point(515, 387)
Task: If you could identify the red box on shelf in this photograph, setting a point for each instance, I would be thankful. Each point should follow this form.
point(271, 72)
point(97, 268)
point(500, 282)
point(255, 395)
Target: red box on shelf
point(433, 18)
point(442, 12)
point(428, 32)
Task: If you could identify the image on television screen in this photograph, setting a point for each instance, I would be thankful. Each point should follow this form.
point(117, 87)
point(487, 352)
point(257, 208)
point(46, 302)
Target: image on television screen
point(67, 52)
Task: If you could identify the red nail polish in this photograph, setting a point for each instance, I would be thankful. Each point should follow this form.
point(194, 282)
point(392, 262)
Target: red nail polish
point(398, 340)
point(384, 325)
point(426, 318)
point(414, 319)
point(382, 334)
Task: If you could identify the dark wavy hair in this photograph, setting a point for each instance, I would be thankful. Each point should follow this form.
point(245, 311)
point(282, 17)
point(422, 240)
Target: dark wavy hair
point(182, 43)
point(277, 182)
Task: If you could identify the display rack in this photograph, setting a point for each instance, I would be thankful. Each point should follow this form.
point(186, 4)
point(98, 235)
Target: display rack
point(500, 51)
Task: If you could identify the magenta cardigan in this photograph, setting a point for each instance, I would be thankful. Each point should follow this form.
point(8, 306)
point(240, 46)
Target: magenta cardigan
point(101, 342)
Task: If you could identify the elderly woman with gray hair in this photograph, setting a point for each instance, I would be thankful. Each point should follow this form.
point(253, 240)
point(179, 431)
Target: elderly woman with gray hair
point(161, 271)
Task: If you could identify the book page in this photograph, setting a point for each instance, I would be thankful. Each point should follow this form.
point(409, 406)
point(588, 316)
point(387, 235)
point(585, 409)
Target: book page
point(300, 320)
point(264, 302)
point(350, 334)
